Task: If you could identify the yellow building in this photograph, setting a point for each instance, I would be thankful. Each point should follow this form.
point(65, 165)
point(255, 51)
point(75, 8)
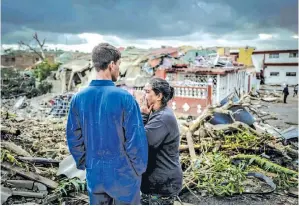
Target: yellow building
point(245, 56)
point(222, 51)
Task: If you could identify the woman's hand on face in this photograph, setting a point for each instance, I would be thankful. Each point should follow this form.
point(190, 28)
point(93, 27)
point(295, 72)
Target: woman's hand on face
point(146, 109)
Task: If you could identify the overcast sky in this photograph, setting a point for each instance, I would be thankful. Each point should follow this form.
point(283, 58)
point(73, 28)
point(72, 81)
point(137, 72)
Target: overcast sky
point(81, 24)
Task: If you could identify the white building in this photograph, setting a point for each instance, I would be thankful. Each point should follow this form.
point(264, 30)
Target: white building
point(277, 66)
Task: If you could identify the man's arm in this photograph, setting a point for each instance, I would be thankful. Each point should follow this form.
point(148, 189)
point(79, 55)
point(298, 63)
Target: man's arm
point(135, 139)
point(74, 136)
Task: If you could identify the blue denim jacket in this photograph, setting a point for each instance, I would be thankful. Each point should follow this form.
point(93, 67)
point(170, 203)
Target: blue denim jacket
point(106, 136)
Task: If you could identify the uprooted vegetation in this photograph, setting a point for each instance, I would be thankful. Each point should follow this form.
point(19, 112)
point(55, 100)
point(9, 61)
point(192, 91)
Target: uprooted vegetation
point(224, 159)
point(15, 83)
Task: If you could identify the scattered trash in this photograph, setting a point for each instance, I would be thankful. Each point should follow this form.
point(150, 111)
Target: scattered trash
point(20, 103)
point(269, 99)
point(290, 133)
point(5, 194)
point(68, 168)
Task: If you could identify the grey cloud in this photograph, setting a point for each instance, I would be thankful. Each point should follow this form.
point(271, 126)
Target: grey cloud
point(136, 19)
point(25, 35)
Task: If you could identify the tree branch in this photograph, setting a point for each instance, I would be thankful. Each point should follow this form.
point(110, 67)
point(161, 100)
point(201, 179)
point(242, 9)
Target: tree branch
point(35, 36)
point(31, 48)
point(41, 54)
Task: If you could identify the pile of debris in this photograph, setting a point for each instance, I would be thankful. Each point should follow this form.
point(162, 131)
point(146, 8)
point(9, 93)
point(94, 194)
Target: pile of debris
point(44, 106)
point(226, 152)
point(31, 151)
point(16, 83)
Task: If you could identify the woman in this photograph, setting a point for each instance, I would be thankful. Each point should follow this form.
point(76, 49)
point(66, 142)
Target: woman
point(162, 181)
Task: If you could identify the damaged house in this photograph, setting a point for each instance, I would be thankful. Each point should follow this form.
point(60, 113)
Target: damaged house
point(74, 72)
point(200, 77)
point(23, 59)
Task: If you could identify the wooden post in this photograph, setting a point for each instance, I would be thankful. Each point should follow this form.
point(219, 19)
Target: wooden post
point(210, 91)
point(248, 83)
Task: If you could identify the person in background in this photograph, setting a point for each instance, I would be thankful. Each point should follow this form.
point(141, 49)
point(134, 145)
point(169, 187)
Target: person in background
point(106, 136)
point(295, 90)
point(285, 93)
point(162, 181)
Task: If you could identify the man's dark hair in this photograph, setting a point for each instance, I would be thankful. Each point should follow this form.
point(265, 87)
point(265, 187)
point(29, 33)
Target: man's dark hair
point(162, 86)
point(103, 54)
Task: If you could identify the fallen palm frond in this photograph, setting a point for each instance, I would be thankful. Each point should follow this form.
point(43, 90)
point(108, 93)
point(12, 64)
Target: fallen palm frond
point(284, 177)
point(70, 185)
point(265, 164)
point(215, 173)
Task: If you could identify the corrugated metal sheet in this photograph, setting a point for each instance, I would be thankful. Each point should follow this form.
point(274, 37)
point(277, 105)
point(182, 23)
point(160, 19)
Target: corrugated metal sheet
point(191, 54)
point(173, 52)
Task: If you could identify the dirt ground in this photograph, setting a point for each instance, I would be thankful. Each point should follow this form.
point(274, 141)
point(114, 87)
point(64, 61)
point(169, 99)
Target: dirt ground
point(277, 198)
point(287, 115)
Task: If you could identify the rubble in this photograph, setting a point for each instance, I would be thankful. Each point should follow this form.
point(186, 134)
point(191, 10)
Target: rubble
point(48, 105)
point(30, 161)
point(229, 149)
point(221, 156)
point(15, 83)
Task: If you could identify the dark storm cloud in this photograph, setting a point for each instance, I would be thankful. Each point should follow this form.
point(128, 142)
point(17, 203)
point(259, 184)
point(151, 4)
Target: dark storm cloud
point(133, 19)
point(16, 34)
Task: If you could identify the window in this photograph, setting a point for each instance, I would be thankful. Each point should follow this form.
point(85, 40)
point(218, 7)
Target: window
point(274, 56)
point(13, 59)
point(274, 73)
point(293, 55)
point(291, 74)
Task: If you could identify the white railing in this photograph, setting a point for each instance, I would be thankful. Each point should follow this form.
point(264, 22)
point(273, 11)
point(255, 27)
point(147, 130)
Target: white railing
point(191, 92)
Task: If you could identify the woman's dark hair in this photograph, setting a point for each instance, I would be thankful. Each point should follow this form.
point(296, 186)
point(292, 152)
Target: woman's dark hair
point(162, 86)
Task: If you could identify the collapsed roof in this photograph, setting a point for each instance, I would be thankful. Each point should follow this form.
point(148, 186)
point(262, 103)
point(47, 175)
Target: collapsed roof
point(139, 65)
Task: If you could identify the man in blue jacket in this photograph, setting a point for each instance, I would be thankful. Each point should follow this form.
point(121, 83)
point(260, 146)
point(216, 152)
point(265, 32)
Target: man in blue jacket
point(106, 136)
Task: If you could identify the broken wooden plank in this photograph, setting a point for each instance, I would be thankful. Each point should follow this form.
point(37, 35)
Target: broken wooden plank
point(28, 194)
point(199, 120)
point(30, 175)
point(15, 148)
point(190, 145)
point(28, 184)
point(39, 160)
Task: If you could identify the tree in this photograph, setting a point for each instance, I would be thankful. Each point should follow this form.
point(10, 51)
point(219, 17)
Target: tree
point(44, 69)
point(41, 53)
